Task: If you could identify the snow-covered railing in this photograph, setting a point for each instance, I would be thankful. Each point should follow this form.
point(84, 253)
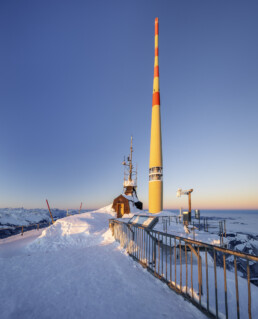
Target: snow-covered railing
point(14, 230)
point(205, 224)
point(201, 272)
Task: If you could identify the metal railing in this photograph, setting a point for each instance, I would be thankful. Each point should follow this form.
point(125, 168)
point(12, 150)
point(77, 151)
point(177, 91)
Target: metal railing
point(205, 224)
point(196, 270)
point(15, 230)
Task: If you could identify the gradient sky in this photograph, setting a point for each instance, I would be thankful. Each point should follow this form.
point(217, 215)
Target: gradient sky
point(76, 82)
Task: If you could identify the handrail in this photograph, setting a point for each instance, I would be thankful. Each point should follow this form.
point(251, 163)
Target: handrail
point(154, 249)
point(13, 228)
point(199, 243)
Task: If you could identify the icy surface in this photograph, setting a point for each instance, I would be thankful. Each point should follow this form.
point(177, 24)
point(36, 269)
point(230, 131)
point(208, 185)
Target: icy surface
point(74, 269)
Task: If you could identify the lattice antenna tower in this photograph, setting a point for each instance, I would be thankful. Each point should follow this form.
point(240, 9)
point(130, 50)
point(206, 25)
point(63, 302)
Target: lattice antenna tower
point(130, 172)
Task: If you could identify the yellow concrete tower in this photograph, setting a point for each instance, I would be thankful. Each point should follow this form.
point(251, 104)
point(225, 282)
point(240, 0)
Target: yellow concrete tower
point(155, 168)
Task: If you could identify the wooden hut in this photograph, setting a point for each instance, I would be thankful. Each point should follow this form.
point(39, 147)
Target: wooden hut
point(121, 205)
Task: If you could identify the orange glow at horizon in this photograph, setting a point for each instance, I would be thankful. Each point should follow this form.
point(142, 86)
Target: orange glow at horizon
point(211, 202)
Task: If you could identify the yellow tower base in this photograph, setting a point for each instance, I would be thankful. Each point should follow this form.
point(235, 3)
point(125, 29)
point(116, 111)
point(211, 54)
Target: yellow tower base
point(155, 196)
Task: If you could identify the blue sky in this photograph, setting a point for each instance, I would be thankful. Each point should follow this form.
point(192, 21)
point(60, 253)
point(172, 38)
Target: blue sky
point(76, 82)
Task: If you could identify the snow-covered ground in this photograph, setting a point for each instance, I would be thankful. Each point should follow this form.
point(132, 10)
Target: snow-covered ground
point(74, 269)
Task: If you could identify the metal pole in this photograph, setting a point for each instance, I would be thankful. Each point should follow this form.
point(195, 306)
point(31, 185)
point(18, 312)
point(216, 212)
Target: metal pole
point(145, 246)
point(180, 254)
point(141, 245)
point(219, 234)
point(159, 254)
point(225, 285)
point(149, 248)
point(136, 242)
point(249, 290)
point(170, 259)
point(166, 260)
point(186, 269)
point(236, 283)
point(222, 233)
point(175, 259)
point(207, 279)
point(216, 287)
point(199, 276)
point(155, 253)
point(162, 247)
point(192, 272)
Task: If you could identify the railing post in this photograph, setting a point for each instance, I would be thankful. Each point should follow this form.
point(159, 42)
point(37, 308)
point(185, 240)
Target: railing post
point(222, 233)
point(249, 290)
point(236, 283)
point(175, 259)
point(159, 254)
point(140, 243)
point(219, 234)
point(137, 243)
point(192, 272)
point(148, 233)
point(166, 259)
point(162, 249)
point(180, 257)
point(186, 269)
point(170, 259)
point(207, 279)
point(199, 276)
point(155, 254)
point(225, 285)
point(145, 247)
point(215, 283)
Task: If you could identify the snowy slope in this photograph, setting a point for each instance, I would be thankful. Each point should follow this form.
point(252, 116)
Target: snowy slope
point(74, 269)
point(22, 216)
